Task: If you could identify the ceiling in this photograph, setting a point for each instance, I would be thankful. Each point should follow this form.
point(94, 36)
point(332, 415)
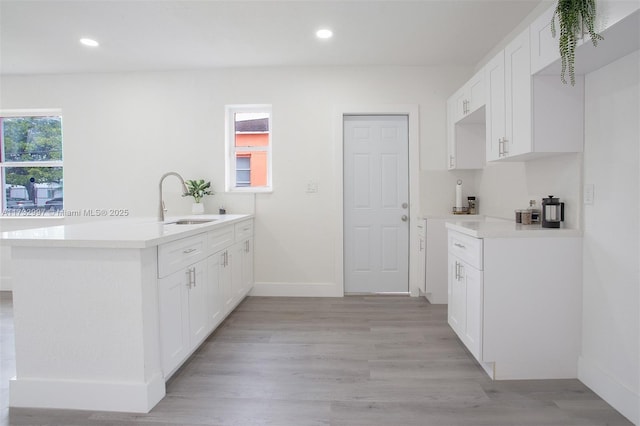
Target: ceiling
point(137, 35)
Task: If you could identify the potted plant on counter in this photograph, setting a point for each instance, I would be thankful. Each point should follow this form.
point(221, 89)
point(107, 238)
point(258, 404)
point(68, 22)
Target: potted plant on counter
point(198, 189)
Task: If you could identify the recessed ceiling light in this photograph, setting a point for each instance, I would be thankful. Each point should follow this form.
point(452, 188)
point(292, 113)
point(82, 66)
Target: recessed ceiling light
point(89, 42)
point(324, 33)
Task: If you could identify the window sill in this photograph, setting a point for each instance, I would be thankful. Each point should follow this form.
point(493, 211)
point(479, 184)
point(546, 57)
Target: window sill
point(249, 190)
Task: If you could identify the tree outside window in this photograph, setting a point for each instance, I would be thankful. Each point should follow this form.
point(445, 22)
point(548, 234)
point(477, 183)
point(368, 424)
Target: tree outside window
point(31, 163)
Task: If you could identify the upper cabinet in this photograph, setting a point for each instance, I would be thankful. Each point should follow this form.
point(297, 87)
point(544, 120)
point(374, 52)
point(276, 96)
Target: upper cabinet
point(465, 125)
point(617, 20)
point(529, 116)
point(508, 126)
point(470, 97)
point(516, 108)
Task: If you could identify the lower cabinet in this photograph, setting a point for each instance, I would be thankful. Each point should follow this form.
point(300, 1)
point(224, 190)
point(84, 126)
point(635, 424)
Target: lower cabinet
point(516, 303)
point(183, 309)
point(194, 298)
point(465, 303)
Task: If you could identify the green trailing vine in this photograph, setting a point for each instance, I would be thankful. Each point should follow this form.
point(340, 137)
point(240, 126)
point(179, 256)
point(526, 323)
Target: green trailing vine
point(575, 17)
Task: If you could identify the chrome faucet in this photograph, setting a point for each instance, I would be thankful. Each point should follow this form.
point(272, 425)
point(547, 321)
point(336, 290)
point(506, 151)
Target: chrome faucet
point(162, 210)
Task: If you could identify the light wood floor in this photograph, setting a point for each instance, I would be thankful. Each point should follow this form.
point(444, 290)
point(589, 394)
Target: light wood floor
point(337, 361)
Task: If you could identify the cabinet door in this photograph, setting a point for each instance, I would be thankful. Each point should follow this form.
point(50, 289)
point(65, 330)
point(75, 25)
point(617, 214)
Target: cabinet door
point(459, 104)
point(517, 60)
point(475, 92)
point(173, 305)
point(544, 47)
point(198, 304)
point(473, 315)
point(237, 253)
point(451, 135)
point(457, 298)
point(213, 292)
point(224, 281)
point(247, 265)
point(422, 246)
point(495, 106)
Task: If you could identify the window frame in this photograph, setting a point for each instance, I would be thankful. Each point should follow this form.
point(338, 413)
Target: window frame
point(231, 150)
point(39, 112)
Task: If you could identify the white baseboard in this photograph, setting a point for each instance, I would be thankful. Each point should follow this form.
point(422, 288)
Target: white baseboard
point(129, 397)
point(297, 289)
point(619, 396)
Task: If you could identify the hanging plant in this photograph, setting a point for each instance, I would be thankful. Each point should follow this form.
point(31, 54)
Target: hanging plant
point(575, 17)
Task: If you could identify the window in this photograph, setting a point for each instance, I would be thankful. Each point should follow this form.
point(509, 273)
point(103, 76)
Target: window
point(248, 138)
point(31, 163)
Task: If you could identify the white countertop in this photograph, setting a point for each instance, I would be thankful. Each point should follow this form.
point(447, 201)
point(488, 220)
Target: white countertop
point(117, 233)
point(508, 229)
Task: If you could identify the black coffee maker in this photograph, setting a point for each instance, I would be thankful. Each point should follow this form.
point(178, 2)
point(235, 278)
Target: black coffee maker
point(552, 212)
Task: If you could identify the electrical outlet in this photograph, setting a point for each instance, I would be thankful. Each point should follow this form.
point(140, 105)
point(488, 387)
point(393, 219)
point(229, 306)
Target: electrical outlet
point(588, 194)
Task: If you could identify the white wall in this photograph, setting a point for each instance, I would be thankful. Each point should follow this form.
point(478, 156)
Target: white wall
point(123, 130)
point(610, 362)
point(504, 187)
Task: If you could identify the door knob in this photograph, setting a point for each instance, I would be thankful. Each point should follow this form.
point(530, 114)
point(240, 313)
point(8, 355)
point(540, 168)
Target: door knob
point(404, 218)
point(405, 205)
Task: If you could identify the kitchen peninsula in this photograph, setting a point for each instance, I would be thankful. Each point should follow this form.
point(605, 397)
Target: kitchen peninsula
point(106, 312)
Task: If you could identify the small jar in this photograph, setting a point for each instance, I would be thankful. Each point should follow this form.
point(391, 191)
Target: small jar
point(526, 217)
point(472, 205)
point(519, 216)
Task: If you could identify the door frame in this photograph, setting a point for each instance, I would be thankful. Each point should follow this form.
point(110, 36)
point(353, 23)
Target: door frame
point(412, 112)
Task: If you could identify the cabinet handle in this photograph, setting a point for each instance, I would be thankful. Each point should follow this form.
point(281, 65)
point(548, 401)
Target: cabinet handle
point(421, 245)
point(459, 245)
point(451, 161)
point(226, 258)
point(191, 250)
point(505, 146)
point(457, 273)
point(191, 272)
point(500, 151)
point(246, 246)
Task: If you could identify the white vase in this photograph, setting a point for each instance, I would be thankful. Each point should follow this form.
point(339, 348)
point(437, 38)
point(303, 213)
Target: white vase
point(197, 208)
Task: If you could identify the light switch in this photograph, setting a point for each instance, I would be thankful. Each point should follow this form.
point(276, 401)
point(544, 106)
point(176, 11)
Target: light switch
point(312, 187)
point(588, 194)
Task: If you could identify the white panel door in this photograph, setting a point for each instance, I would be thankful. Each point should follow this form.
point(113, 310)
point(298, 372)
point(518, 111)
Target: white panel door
point(376, 200)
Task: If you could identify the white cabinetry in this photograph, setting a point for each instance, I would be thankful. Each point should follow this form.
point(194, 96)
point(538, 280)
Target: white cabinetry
point(530, 116)
point(242, 260)
point(465, 125)
point(182, 302)
point(422, 260)
point(516, 303)
point(200, 280)
point(544, 47)
point(465, 290)
point(469, 97)
point(617, 20)
point(436, 243)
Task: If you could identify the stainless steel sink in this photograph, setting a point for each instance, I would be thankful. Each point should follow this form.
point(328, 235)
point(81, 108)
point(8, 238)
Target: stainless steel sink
point(191, 221)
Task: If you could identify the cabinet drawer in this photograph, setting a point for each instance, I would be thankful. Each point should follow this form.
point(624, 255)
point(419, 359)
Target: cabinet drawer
point(467, 248)
point(181, 253)
point(220, 239)
point(244, 230)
